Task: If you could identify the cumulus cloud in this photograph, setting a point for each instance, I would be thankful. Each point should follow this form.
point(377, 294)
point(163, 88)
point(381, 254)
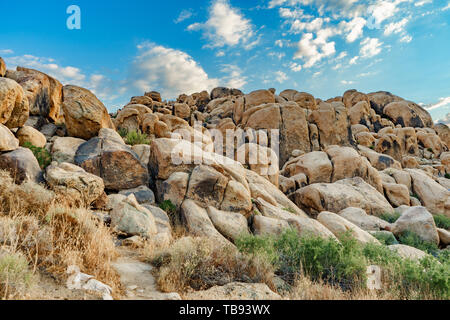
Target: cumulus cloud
point(171, 71)
point(313, 49)
point(281, 77)
point(354, 28)
point(6, 51)
point(370, 47)
point(235, 78)
point(226, 26)
point(295, 67)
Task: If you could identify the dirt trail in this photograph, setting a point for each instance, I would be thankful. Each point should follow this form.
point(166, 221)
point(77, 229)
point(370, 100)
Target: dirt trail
point(137, 279)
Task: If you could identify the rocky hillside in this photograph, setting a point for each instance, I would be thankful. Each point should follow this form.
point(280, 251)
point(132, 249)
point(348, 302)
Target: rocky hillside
point(155, 172)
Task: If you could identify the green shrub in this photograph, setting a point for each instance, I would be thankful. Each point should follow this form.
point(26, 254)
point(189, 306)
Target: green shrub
point(171, 211)
point(136, 137)
point(442, 221)
point(122, 132)
point(447, 175)
point(390, 217)
point(14, 274)
point(344, 264)
point(385, 238)
point(412, 239)
point(43, 157)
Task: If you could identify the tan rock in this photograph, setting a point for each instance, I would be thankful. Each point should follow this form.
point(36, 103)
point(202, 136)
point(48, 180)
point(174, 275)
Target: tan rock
point(400, 113)
point(444, 236)
point(389, 144)
point(2, 67)
point(435, 197)
point(258, 97)
point(407, 252)
point(236, 198)
point(347, 163)
point(31, 135)
point(71, 179)
point(84, 114)
point(269, 226)
point(444, 133)
point(315, 165)
point(64, 149)
point(378, 160)
point(418, 220)
point(361, 219)
point(352, 97)
point(397, 194)
point(339, 226)
point(307, 227)
point(236, 291)
point(14, 106)
point(231, 225)
point(22, 165)
point(8, 141)
point(207, 187)
point(365, 139)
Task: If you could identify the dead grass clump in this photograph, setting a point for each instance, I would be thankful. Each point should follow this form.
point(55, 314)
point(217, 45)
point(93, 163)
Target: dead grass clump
point(199, 264)
point(15, 275)
point(52, 235)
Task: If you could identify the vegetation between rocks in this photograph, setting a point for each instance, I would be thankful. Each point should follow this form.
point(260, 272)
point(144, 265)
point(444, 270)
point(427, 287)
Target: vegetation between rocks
point(43, 157)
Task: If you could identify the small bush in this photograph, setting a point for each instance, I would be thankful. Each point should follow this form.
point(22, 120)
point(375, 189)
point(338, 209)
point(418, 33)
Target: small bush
point(15, 275)
point(43, 157)
point(390, 217)
point(442, 221)
point(385, 238)
point(134, 137)
point(447, 175)
point(413, 240)
point(199, 264)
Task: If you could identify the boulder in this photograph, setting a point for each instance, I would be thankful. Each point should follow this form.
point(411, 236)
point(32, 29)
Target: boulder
point(155, 96)
point(65, 148)
point(400, 113)
point(84, 114)
point(389, 144)
point(444, 133)
point(133, 219)
point(379, 100)
point(378, 160)
point(31, 135)
point(444, 236)
point(199, 224)
point(339, 226)
point(22, 165)
point(2, 67)
point(347, 163)
point(174, 188)
point(43, 92)
point(222, 92)
point(207, 186)
point(71, 179)
point(340, 195)
point(361, 219)
point(307, 227)
point(315, 165)
point(268, 226)
point(8, 141)
point(163, 237)
point(118, 166)
point(397, 194)
point(14, 106)
point(143, 194)
point(434, 196)
point(418, 220)
point(230, 224)
point(407, 252)
point(237, 198)
point(352, 97)
point(143, 151)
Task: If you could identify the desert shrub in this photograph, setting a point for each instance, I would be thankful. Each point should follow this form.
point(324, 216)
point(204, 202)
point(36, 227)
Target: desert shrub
point(442, 221)
point(390, 217)
point(43, 157)
point(52, 236)
point(15, 275)
point(198, 263)
point(343, 266)
point(447, 175)
point(133, 137)
point(385, 238)
point(411, 239)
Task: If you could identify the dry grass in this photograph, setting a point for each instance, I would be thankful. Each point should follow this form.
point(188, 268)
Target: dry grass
point(199, 264)
point(52, 234)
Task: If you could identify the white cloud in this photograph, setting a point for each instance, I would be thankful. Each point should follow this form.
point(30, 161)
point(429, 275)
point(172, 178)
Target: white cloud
point(370, 47)
point(312, 50)
point(168, 70)
point(354, 60)
point(295, 67)
point(226, 26)
point(184, 15)
point(345, 82)
point(281, 77)
point(422, 2)
point(353, 28)
point(447, 7)
point(406, 39)
point(220, 53)
point(443, 102)
point(6, 51)
point(235, 79)
point(278, 55)
point(395, 27)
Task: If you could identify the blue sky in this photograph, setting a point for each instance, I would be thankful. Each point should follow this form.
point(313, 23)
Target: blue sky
point(323, 47)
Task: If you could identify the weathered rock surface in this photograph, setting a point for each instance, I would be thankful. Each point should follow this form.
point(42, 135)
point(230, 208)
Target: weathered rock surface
point(361, 219)
point(419, 221)
point(143, 194)
point(22, 165)
point(236, 291)
point(71, 179)
point(31, 135)
point(84, 114)
point(118, 166)
point(14, 106)
point(8, 141)
point(230, 224)
point(408, 252)
point(65, 148)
